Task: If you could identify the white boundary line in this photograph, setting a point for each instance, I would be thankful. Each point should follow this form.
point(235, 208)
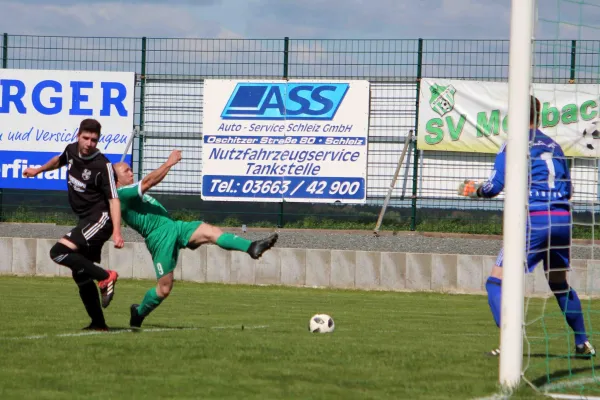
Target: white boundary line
point(493, 397)
point(127, 330)
point(570, 396)
point(552, 395)
point(546, 390)
point(567, 383)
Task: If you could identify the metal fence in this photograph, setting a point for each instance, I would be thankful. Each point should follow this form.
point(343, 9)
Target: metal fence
point(168, 112)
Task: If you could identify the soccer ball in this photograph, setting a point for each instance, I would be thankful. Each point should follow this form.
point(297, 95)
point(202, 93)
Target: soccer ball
point(321, 323)
point(593, 130)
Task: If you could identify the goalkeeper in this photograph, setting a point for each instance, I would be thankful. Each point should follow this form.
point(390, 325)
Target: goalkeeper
point(164, 237)
point(548, 225)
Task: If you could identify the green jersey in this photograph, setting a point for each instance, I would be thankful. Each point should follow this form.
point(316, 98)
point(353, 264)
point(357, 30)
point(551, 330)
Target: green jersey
point(140, 211)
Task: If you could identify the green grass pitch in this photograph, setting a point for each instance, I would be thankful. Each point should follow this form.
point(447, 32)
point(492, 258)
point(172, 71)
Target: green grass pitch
point(387, 345)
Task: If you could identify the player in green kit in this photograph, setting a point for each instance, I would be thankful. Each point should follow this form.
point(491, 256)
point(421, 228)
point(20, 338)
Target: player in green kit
point(165, 237)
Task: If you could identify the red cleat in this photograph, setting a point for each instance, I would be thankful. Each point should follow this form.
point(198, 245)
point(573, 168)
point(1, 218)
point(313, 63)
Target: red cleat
point(107, 288)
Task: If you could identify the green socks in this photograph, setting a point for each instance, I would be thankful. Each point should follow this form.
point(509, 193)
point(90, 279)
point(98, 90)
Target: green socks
point(229, 241)
point(150, 302)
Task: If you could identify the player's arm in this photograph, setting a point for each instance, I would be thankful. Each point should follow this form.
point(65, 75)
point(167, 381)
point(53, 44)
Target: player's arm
point(115, 215)
point(156, 176)
point(490, 188)
point(495, 184)
point(54, 163)
point(110, 191)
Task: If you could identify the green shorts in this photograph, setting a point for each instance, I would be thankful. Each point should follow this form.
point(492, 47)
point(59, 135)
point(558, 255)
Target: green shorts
point(165, 242)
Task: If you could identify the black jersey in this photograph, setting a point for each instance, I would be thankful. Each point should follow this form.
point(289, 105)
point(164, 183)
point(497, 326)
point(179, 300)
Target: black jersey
point(91, 181)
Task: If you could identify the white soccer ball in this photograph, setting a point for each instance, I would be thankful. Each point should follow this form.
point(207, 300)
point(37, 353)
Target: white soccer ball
point(593, 130)
point(321, 323)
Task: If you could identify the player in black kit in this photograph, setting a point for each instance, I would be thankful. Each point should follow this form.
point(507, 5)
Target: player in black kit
point(93, 198)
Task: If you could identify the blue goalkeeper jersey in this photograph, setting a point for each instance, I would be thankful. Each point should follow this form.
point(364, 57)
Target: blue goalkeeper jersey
point(550, 185)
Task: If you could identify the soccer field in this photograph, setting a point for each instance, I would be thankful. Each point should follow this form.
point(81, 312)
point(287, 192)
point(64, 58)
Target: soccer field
point(387, 345)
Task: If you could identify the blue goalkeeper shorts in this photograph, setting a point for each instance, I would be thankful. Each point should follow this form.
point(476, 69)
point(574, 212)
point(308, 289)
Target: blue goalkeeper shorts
point(548, 240)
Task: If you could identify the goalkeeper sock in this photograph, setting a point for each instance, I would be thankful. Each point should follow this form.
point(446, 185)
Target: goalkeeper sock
point(571, 307)
point(229, 241)
point(150, 302)
point(494, 291)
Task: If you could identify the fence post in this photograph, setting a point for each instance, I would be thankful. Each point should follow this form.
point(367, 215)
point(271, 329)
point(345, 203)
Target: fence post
point(142, 138)
point(5, 51)
point(413, 217)
point(286, 49)
point(4, 66)
point(572, 78)
point(573, 61)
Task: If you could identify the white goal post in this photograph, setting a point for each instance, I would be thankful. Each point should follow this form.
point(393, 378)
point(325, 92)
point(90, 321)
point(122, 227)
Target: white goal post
point(516, 192)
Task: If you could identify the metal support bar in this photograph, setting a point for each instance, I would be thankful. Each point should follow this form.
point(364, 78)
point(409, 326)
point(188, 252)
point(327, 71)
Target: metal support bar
point(393, 183)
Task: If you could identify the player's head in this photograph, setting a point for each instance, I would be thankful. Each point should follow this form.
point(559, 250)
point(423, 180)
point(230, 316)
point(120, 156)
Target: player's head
point(88, 136)
point(124, 174)
point(534, 112)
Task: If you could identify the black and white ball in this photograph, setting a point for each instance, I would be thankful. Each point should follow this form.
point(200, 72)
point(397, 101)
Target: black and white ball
point(321, 323)
point(591, 133)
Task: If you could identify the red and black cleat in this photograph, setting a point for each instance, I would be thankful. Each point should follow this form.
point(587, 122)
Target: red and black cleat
point(107, 287)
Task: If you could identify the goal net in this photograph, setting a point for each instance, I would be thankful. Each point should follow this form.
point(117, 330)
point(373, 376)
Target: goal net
point(565, 77)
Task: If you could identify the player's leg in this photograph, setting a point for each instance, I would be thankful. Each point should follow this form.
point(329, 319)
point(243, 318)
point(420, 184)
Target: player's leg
point(557, 266)
point(70, 255)
point(96, 235)
point(570, 305)
point(165, 252)
point(197, 233)
point(152, 299)
point(107, 286)
point(494, 282)
point(69, 252)
point(88, 292)
point(493, 287)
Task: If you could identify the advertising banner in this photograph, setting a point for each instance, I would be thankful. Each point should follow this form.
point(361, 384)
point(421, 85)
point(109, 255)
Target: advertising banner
point(40, 113)
point(472, 116)
point(296, 140)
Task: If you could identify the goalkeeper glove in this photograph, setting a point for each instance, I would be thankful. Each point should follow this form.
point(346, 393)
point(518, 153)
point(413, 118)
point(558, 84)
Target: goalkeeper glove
point(469, 188)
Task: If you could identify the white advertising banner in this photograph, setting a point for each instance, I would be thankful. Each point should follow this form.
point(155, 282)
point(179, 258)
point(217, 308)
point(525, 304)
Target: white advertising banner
point(40, 113)
point(472, 116)
point(294, 141)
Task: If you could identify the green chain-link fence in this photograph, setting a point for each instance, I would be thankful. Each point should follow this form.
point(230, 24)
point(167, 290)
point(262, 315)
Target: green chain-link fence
point(169, 97)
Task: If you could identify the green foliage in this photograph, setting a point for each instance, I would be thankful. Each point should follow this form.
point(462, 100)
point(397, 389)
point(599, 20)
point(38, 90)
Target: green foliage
point(24, 215)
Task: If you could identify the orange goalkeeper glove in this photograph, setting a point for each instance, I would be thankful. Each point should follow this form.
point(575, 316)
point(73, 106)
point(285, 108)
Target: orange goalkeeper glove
point(469, 188)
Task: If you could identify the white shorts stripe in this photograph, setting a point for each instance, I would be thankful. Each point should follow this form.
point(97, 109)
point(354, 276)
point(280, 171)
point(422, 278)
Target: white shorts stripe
point(111, 180)
point(88, 234)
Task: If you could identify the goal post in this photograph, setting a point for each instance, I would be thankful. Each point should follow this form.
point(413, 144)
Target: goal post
point(516, 192)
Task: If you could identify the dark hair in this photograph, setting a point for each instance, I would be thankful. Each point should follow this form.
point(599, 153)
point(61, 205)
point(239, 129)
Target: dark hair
point(534, 111)
point(90, 125)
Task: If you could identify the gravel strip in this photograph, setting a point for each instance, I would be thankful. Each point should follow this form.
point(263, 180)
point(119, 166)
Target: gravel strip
point(320, 239)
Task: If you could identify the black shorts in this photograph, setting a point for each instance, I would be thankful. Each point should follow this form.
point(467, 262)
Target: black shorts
point(90, 234)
